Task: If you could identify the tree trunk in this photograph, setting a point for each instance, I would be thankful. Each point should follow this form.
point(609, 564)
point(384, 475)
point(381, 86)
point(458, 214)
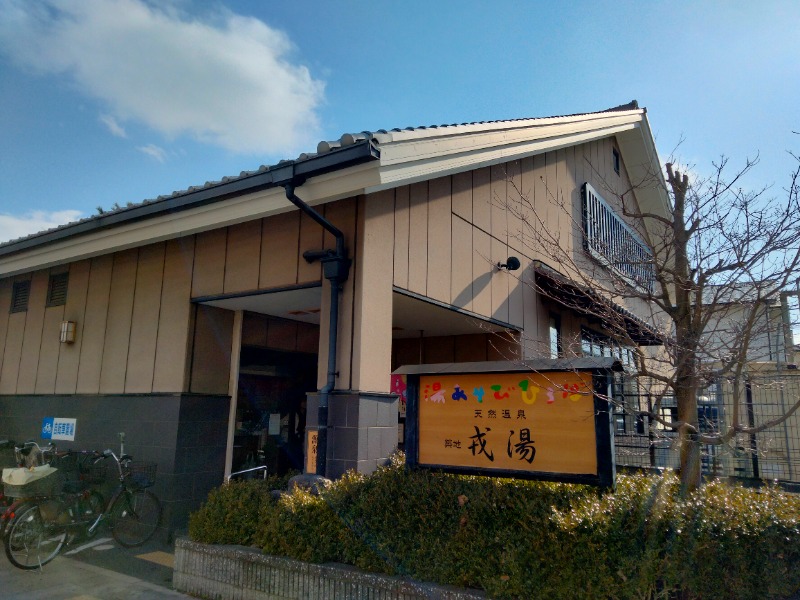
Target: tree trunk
point(690, 471)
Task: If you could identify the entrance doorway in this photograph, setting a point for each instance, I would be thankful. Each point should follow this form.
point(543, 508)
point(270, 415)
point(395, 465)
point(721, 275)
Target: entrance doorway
point(271, 409)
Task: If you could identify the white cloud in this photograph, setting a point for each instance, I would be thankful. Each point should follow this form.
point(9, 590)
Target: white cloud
point(114, 127)
point(152, 150)
point(17, 226)
point(228, 81)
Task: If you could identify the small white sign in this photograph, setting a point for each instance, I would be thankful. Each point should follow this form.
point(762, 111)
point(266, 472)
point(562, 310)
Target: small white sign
point(56, 428)
point(275, 424)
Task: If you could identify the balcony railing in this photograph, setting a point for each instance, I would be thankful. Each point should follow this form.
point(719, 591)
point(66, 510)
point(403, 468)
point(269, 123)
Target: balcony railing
point(613, 243)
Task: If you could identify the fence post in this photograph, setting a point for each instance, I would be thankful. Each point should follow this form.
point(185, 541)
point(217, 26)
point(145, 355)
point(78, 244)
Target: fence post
point(751, 421)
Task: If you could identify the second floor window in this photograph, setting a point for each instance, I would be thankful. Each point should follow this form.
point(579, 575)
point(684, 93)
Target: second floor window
point(612, 242)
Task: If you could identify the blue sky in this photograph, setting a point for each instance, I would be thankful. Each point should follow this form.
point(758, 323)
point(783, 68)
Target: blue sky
point(108, 101)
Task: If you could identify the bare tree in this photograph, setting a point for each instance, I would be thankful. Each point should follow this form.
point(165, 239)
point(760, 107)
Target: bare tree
point(701, 275)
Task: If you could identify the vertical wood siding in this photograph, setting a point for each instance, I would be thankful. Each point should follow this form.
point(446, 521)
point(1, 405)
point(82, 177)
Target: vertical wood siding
point(494, 213)
point(32, 339)
point(74, 310)
point(135, 318)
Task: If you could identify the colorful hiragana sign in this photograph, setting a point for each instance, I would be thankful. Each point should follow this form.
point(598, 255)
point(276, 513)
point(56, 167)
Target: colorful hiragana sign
point(539, 425)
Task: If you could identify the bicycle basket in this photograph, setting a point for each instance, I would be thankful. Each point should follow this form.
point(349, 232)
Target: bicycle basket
point(92, 473)
point(141, 474)
point(16, 483)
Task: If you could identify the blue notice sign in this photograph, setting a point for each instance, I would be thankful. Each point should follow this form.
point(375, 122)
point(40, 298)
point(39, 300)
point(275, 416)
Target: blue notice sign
point(47, 428)
point(56, 428)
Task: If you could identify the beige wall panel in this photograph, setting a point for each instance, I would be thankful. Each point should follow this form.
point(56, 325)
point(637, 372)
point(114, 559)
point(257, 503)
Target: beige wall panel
point(307, 338)
point(401, 236)
point(48, 354)
point(418, 238)
point(372, 317)
point(74, 310)
point(553, 194)
point(499, 202)
point(15, 332)
point(254, 330)
point(471, 348)
point(540, 207)
point(462, 195)
point(280, 239)
point(344, 215)
point(461, 279)
point(94, 327)
point(611, 176)
point(175, 318)
point(530, 316)
point(32, 342)
point(570, 191)
point(481, 273)
point(243, 257)
point(593, 176)
point(515, 206)
point(208, 275)
point(482, 199)
point(145, 319)
point(310, 239)
point(527, 203)
point(324, 325)
point(516, 295)
point(439, 349)
point(211, 358)
point(439, 240)
point(500, 281)
point(118, 324)
point(282, 335)
point(5, 306)
point(579, 167)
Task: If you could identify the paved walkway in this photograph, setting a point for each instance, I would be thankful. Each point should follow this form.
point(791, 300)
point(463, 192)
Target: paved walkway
point(98, 570)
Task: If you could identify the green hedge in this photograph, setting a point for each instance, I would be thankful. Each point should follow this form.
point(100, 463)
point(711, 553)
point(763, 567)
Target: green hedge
point(520, 539)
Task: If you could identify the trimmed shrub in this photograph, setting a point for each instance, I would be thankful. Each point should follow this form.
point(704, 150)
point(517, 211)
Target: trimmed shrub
point(231, 514)
point(523, 539)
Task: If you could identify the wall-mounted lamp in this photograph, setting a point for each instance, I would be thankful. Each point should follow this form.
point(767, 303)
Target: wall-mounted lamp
point(68, 332)
point(512, 264)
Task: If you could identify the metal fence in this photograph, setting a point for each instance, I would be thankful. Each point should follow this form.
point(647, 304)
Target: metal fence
point(772, 454)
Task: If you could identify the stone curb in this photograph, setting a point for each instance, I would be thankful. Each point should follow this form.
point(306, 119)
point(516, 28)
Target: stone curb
point(241, 573)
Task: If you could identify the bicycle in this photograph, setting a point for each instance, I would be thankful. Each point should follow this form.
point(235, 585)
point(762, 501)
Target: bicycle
point(29, 455)
point(42, 527)
point(7, 460)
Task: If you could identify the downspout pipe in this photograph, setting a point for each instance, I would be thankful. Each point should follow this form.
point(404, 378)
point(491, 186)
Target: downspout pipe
point(335, 268)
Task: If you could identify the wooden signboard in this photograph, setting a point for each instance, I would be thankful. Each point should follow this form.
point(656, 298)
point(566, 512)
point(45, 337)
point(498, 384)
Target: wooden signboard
point(537, 425)
point(311, 451)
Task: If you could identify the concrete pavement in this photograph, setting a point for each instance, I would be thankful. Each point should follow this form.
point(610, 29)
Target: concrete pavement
point(95, 570)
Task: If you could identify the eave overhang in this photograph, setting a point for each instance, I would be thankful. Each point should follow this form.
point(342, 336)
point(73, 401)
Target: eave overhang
point(327, 177)
point(363, 164)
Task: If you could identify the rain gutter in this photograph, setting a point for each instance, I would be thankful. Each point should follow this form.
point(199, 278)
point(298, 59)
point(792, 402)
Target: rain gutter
point(276, 176)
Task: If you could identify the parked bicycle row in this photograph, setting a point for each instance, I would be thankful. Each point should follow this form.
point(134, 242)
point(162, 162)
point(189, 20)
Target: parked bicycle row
point(52, 499)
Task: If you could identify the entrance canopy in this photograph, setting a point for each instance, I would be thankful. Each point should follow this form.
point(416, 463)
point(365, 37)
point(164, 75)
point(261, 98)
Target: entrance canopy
point(412, 316)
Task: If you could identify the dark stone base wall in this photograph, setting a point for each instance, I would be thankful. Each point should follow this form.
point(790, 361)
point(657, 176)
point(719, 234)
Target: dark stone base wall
point(362, 430)
point(185, 434)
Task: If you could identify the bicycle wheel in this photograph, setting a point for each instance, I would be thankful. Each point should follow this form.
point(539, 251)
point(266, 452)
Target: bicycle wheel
point(87, 508)
point(93, 505)
point(135, 516)
point(30, 541)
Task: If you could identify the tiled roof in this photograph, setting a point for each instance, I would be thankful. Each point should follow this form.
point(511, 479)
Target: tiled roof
point(347, 139)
